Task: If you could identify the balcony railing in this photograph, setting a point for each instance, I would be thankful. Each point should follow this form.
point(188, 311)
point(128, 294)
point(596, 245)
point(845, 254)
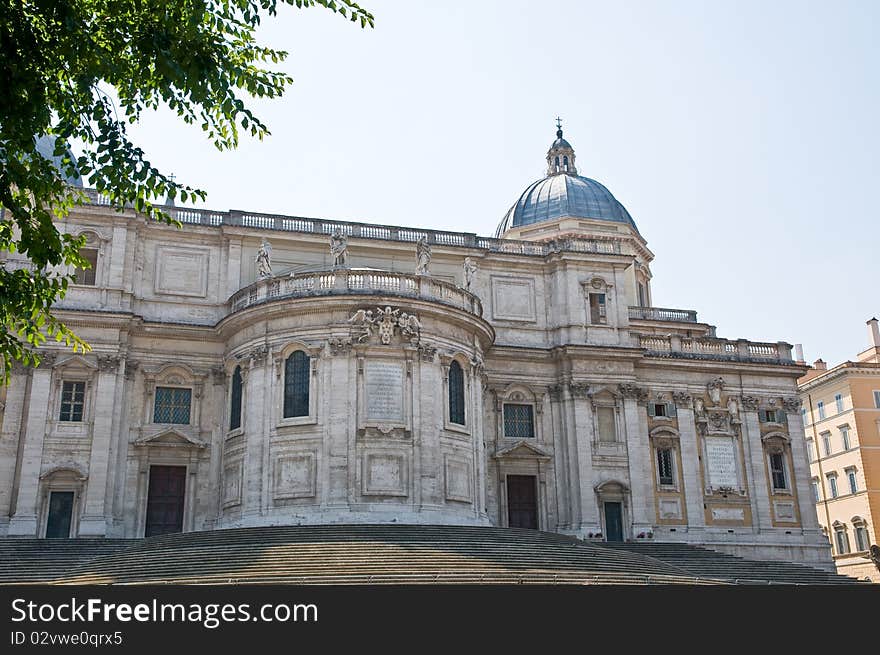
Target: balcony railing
point(211, 218)
point(355, 281)
point(663, 314)
point(720, 349)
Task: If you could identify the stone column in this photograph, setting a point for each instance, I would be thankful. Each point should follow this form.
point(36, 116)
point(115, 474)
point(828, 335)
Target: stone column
point(259, 398)
point(220, 399)
point(690, 474)
point(339, 393)
point(638, 450)
point(800, 460)
point(478, 440)
point(13, 414)
point(94, 519)
point(567, 494)
point(582, 436)
point(754, 454)
point(24, 521)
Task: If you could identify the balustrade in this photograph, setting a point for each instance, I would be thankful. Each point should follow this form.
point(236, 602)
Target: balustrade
point(354, 281)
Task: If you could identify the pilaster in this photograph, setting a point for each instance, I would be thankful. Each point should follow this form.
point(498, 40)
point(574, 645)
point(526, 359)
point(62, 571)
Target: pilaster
point(24, 521)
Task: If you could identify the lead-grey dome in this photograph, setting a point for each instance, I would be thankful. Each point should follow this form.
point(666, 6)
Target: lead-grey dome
point(46, 147)
point(564, 193)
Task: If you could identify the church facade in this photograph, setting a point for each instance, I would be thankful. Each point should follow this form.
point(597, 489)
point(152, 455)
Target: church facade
point(253, 369)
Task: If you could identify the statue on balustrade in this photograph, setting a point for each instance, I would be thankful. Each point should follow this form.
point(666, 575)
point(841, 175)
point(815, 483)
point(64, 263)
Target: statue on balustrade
point(338, 248)
point(470, 272)
point(423, 256)
point(264, 260)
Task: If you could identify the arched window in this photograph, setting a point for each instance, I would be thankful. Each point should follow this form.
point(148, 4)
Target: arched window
point(557, 164)
point(296, 385)
point(235, 400)
point(565, 163)
point(456, 394)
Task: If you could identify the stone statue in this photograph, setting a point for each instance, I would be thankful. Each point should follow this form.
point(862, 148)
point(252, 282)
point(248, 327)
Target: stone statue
point(698, 406)
point(732, 409)
point(714, 388)
point(338, 248)
point(470, 272)
point(423, 256)
point(409, 325)
point(264, 260)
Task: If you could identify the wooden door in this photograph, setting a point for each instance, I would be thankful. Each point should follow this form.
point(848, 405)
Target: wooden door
point(60, 515)
point(522, 502)
point(165, 500)
point(613, 522)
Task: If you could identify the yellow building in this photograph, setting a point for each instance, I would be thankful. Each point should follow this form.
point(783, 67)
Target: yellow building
point(841, 411)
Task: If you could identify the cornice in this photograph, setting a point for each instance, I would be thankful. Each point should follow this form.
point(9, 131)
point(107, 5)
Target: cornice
point(869, 369)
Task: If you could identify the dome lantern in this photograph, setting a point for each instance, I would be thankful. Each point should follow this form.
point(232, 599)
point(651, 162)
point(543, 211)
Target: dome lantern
point(560, 157)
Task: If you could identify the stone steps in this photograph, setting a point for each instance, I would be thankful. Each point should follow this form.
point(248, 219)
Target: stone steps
point(379, 554)
point(43, 560)
point(703, 562)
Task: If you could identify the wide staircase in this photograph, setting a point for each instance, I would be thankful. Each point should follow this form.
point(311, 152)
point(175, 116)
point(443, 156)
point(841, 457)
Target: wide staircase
point(375, 554)
point(704, 563)
point(345, 554)
point(44, 560)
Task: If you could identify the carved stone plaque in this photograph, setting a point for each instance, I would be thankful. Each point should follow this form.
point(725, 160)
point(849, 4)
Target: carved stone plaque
point(384, 391)
point(721, 462)
point(728, 514)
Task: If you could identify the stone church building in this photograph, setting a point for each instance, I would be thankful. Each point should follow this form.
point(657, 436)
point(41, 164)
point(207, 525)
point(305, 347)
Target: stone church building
point(253, 370)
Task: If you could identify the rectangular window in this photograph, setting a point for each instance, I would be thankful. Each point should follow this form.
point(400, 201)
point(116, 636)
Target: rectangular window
point(662, 409)
point(172, 405)
point(877, 399)
point(804, 415)
point(861, 537)
point(73, 398)
point(853, 485)
point(86, 276)
point(771, 416)
point(826, 443)
point(838, 402)
point(816, 490)
point(643, 296)
point(821, 407)
point(519, 422)
point(606, 424)
point(844, 436)
point(832, 484)
point(777, 470)
point(664, 466)
point(811, 453)
point(597, 309)
point(842, 542)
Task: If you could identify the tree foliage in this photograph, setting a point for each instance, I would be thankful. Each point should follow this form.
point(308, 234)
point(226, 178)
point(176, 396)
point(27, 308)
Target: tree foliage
point(60, 62)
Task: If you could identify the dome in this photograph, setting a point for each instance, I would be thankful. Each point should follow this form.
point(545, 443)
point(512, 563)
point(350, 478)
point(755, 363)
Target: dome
point(46, 147)
point(564, 193)
point(557, 196)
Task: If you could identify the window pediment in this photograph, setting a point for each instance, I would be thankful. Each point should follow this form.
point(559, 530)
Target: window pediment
point(170, 438)
point(65, 472)
point(75, 363)
point(522, 450)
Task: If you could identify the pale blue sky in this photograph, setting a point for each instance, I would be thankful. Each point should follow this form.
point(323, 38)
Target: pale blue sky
point(741, 136)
